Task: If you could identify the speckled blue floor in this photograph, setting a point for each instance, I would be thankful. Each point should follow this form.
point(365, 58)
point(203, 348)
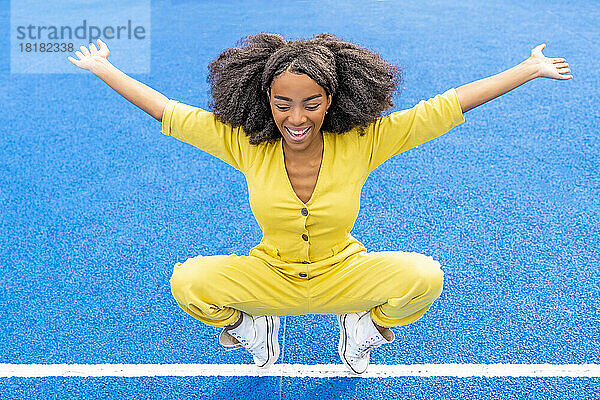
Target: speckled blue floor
point(98, 205)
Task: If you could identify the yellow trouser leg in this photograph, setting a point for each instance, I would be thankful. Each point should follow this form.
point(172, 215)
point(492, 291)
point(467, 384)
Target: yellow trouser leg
point(397, 287)
point(213, 289)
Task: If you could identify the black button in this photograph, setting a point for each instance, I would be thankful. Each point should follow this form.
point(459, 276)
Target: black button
point(304, 212)
point(305, 262)
point(305, 236)
point(302, 275)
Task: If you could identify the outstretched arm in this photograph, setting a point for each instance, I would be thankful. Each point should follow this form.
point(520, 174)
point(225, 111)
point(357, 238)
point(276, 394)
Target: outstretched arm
point(537, 65)
point(96, 61)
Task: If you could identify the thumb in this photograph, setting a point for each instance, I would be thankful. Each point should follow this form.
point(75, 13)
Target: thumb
point(537, 50)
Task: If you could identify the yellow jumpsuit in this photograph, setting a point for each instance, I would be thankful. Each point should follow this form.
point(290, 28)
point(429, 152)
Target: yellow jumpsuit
point(307, 261)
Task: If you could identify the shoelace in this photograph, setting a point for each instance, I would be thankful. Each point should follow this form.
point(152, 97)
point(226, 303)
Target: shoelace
point(242, 343)
point(238, 345)
point(365, 347)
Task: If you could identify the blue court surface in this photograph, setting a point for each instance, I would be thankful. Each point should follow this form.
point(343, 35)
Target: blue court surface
point(98, 205)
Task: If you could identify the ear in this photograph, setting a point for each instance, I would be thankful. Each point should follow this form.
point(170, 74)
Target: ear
point(329, 100)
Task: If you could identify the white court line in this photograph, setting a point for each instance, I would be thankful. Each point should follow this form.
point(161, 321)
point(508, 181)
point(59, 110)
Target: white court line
point(301, 370)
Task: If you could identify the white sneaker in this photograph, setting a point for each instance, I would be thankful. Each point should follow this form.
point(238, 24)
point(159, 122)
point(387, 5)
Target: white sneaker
point(259, 334)
point(358, 335)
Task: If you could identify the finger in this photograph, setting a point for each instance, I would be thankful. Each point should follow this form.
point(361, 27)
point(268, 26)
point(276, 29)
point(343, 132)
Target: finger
point(566, 77)
point(84, 50)
point(557, 60)
point(101, 44)
point(73, 60)
point(564, 71)
point(561, 65)
point(78, 54)
point(93, 48)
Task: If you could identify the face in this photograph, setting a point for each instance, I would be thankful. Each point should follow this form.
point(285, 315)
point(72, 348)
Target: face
point(298, 105)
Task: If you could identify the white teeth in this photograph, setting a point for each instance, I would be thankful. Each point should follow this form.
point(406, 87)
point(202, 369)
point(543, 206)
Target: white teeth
point(298, 133)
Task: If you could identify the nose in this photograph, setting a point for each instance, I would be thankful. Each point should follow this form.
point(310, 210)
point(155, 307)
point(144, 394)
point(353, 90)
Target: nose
point(297, 116)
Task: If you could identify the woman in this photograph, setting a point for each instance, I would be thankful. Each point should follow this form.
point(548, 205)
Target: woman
point(302, 121)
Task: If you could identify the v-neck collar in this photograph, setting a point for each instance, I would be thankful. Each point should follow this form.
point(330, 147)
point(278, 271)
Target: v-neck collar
point(287, 178)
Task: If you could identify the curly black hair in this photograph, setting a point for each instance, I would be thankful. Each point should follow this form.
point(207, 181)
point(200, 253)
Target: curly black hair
point(361, 82)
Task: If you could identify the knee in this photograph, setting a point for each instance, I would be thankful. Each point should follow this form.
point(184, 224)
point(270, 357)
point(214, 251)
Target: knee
point(432, 276)
point(181, 281)
point(192, 278)
point(425, 273)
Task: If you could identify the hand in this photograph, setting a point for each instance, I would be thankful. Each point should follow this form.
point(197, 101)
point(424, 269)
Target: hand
point(88, 59)
point(554, 68)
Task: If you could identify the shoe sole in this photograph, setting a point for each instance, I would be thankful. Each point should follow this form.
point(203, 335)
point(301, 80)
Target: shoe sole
point(272, 341)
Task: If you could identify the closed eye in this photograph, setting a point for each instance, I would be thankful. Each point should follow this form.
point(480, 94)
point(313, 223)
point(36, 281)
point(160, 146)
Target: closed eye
point(310, 108)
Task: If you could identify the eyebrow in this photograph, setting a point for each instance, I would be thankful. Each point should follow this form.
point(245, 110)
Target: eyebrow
point(306, 99)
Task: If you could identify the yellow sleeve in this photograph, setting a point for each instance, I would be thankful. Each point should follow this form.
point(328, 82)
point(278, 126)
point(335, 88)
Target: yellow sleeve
point(201, 129)
point(403, 130)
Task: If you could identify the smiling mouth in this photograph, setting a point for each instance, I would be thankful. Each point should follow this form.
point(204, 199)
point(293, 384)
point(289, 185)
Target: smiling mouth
point(298, 134)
